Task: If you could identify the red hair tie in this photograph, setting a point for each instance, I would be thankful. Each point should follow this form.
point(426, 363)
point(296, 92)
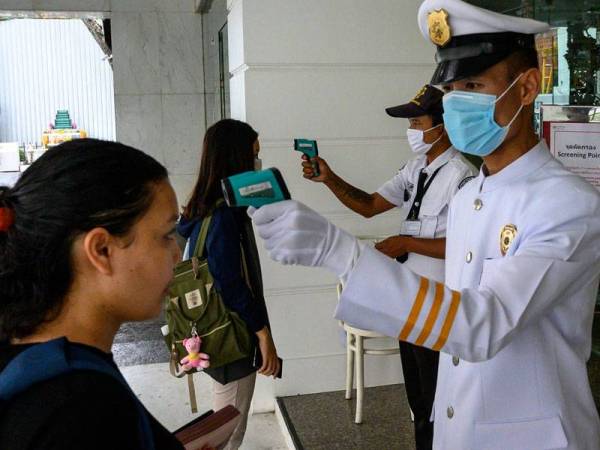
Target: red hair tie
point(7, 218)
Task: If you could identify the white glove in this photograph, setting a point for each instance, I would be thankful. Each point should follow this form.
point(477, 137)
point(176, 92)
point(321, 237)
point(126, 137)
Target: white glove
point(295, 234)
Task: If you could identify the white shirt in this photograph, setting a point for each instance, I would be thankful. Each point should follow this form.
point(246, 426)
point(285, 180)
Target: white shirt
point(514, 324)
point(401, 190)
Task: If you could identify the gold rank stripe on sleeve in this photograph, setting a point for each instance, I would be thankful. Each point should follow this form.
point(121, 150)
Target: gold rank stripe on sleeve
point(415, 310)
point(448, 322)
point(432, 316)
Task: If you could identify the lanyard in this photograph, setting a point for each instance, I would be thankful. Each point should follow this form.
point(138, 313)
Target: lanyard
point(413, 214)
point(422, 188)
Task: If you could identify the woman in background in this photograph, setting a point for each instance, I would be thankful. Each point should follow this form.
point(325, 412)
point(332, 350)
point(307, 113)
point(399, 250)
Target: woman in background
point(231, 147)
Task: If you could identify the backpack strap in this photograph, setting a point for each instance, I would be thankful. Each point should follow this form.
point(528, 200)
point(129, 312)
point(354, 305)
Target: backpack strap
point(204, 230)
point(53, 358)
point(202, 237)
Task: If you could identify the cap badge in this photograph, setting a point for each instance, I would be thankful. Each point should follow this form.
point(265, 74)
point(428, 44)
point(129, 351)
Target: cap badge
point(421, 93)
point(507, 235)
point(439, 29)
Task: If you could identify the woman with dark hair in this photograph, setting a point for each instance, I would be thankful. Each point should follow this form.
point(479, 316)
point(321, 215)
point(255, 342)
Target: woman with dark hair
point(87, 242)
point(231, 147)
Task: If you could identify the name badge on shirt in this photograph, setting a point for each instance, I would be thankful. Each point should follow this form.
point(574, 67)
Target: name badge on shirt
point(411, 228)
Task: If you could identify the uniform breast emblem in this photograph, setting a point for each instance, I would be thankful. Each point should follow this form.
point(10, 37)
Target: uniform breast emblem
point(439, 29)
point(507, 235)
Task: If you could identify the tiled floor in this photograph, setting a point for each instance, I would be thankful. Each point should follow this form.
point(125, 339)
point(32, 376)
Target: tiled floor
point(140, 343)
point(166, 398)
point(326, 421)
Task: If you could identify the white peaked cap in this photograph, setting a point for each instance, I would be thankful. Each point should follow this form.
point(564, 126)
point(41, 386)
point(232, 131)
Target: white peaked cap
point(465, 18)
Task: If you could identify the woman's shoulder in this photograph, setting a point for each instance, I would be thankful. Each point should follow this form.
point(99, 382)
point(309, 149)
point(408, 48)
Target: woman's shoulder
point(58, 409)
point(76, 409)
point(58, 390)
point(224, 216)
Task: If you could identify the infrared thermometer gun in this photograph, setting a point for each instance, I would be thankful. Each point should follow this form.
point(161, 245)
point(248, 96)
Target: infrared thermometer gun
point(310, 149)
point(256, 188)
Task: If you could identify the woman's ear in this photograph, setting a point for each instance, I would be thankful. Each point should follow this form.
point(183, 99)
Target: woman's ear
point(98, 249)
point(530, 86)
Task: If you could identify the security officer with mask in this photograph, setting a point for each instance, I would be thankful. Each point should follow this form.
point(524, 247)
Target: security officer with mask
point(424, 186)
point(513, 321)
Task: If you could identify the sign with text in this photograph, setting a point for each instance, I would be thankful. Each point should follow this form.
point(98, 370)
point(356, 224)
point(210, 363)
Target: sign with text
point(577, 147)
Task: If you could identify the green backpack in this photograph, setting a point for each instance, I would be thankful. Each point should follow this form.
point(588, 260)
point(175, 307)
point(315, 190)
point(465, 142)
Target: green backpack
point(194, 307)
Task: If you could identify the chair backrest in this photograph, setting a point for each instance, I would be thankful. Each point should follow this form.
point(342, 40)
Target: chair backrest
point(371, 240)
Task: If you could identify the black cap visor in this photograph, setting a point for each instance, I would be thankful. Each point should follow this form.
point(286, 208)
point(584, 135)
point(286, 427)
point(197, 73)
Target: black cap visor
point(457, 69)
point(472, 54)
point(407, 110)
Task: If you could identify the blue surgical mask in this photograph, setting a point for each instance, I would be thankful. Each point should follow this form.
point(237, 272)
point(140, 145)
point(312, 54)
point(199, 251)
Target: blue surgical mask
point(469, 121)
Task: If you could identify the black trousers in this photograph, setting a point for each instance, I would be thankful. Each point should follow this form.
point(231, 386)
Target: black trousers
point(420, 367)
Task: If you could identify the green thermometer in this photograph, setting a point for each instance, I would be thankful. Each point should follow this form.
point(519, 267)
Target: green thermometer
point(255, 188)
point(310, 149)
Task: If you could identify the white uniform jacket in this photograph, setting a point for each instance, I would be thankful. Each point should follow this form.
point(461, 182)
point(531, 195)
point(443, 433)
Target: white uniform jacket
point(454, 169)
point(514, 319)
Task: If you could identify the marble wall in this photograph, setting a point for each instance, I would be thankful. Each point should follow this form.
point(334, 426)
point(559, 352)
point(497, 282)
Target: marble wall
point(212, 22)
point(324, 69)
point(158, 76)
point(159, 83)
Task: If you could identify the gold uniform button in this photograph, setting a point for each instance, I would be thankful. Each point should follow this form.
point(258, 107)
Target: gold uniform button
point(455, 360)
point(450, 412)
point(477, 204)
point(469, 257)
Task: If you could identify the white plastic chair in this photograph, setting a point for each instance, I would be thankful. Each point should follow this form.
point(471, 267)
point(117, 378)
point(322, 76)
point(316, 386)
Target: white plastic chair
point(355, 351)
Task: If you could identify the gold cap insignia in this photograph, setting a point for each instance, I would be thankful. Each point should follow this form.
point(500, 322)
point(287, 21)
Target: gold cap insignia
point(507, 235)
point(439, 29)
point(421, 93)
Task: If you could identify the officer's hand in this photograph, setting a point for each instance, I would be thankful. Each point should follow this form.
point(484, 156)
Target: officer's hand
point(308, 171)
point(295, 234)
point(393, 246)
